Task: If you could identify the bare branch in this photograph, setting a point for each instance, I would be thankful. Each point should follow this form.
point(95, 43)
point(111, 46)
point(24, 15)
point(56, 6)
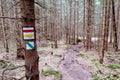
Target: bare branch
point(10, 69)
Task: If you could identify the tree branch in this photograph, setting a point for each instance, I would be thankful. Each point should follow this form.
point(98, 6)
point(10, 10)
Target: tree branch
point(10, 69)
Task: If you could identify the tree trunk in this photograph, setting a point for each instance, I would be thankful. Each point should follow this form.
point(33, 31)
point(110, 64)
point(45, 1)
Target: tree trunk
point(103, 34)
point(84, 22)
point(114, 27)
point(5, 29)
point(74, 28)
point(107, 23)
point(55, 24)
point(89, 24)
point(20, 49)
point(70, 20)
point(31, 57)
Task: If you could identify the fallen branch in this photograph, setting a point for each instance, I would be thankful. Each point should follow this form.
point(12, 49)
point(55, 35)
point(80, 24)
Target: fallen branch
point(10, 69)
point(21, 78)
point(3, 61)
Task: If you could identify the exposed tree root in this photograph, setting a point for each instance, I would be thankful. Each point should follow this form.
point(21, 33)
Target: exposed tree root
point(11, 69)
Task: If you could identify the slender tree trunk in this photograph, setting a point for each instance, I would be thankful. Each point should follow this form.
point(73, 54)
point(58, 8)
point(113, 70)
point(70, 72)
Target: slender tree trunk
point(55, 25)
point(20, 49)
point(70, 24)
point(77, 24)
point(111, 33)
point(5, 29)
point(107, 23)
point(74, 28)
point(118, 12)
point(84, 26)
point(2, 23)
point(103, 34)
point(45, 28)
point(89, 24)
point(67, 27)
point(114, 27)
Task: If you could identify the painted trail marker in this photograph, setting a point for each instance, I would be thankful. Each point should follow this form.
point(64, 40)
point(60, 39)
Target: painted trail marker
point(30, 45)
point(28, 33)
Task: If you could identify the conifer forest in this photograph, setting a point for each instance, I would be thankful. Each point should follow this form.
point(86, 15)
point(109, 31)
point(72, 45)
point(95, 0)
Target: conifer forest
point(59, 39)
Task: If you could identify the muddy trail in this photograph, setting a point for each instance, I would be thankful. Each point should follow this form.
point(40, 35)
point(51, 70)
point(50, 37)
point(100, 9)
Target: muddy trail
point(71, 61)
point(72, 69)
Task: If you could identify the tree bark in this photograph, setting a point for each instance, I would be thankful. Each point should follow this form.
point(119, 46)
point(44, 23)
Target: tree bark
point(20, 49)
point(5, 29)
point(103, 33)
point(89, 24)
point(84, 22)
point(114, 26)
point(31, 57)
point(107, 23)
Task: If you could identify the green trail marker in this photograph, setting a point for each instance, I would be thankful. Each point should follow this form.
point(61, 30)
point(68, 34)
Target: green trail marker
point(30, 45)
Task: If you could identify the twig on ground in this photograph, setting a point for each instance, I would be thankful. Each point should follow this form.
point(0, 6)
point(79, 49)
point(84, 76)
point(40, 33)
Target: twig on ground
point(10, 69)
point(3, 61)
point(21, 78)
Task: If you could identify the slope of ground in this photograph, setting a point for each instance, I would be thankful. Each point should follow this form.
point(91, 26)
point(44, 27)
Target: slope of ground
point(72, 62)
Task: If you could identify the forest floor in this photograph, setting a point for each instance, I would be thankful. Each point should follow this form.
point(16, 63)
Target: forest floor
point(71, 62)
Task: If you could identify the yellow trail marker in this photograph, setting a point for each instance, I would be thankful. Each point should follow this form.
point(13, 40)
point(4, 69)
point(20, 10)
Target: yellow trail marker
point(28, 35)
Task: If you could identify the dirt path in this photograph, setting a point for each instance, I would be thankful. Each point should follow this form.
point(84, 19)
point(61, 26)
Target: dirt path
point(70, 68)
